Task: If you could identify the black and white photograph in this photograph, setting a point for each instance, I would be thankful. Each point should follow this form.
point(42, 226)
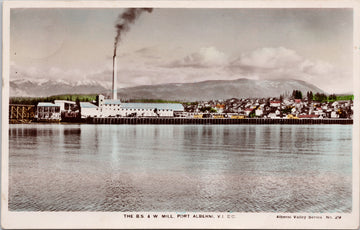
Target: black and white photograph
point(201, 114)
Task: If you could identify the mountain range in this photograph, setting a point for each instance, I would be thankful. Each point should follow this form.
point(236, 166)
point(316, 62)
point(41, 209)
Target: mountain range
point(45, 87)
point(205, 90)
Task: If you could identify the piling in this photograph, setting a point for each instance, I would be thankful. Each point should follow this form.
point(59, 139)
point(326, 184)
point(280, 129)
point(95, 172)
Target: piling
point(211, 121)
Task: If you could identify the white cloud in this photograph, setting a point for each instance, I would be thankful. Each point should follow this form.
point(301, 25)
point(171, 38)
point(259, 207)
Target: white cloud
point(205, 57)
point(206, 64)
point(280, 62)
point(316, 67)
point(268, 58)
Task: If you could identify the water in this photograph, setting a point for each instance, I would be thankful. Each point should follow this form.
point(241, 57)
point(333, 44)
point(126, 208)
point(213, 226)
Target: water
point(219, 168)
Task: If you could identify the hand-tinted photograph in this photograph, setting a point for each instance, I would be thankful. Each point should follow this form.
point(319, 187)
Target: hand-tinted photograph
point(231, 110)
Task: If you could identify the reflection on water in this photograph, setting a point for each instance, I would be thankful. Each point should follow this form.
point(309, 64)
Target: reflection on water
point(241, 168)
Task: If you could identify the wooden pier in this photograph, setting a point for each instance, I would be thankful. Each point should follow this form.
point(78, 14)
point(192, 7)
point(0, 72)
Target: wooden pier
point(21, 113)
point(211, 121)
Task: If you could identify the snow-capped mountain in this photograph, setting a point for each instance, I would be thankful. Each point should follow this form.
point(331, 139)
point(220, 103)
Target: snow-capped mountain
point(45, 87)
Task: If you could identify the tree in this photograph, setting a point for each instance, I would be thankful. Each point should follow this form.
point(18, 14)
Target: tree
point(209, 109)
point(332, 97)
point(309, 95)
point(349, 111)
point(342, 113)
point(297, 94)
point(78, 103)
point(287, 110)
point(320, 97)
point(212, 110)
point(267, 103)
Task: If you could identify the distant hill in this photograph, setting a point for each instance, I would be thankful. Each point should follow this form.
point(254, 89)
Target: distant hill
point(205, 90)
point(219, 89)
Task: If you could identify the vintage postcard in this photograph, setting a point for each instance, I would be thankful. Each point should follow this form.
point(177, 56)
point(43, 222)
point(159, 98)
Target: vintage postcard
point(180, 114)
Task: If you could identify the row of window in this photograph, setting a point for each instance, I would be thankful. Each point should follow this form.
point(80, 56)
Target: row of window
point(47, 115)
point(68, 106)
point(137, 109)
point(55, 109)
point(111, 105)
point(140, 109)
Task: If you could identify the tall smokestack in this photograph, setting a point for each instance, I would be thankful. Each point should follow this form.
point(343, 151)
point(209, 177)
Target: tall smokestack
point(114, 81)
point(123, 23)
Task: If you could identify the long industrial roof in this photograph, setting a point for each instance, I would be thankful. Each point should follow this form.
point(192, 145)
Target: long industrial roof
point(47, 104)
point(64, 101)
point(87, 105)
point(171, 106)
point(112, 102)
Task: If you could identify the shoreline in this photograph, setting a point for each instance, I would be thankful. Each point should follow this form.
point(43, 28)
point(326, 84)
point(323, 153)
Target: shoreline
point(193, 121)
point(212, 121)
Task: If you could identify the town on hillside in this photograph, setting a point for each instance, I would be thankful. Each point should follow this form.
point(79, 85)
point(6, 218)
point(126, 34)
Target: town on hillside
point(293, 107)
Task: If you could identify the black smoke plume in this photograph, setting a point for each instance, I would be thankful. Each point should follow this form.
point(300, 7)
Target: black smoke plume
point(124, 20)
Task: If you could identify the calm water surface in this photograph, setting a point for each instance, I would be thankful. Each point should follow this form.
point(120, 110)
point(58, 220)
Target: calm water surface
point(219, 168)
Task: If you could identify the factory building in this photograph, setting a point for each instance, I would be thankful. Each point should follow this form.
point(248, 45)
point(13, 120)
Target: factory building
point(48, 111)
point(105, 107)
point(88, 109)
point(65, 106)
point(54, 111)
point(114, 108)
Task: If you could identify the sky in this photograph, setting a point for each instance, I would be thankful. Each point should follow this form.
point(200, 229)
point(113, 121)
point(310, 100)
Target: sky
point(185, 45)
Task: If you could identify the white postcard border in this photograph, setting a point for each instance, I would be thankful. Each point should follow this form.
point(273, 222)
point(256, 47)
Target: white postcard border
point(107, 220)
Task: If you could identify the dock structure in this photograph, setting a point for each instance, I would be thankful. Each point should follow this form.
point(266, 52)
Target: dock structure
point(21, 113)
point(211, 121)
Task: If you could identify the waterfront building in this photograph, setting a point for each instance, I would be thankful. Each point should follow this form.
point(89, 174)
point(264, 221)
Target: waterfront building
point(275, 103)
point(115, 108)
point(65, 106)
point(248, 111)
point(88, 109)
point(272, 115)
point(48, 111)
point(151, 109)
point(277, 112)
point(56, 110)
point(258, 112)
point(334, 114)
